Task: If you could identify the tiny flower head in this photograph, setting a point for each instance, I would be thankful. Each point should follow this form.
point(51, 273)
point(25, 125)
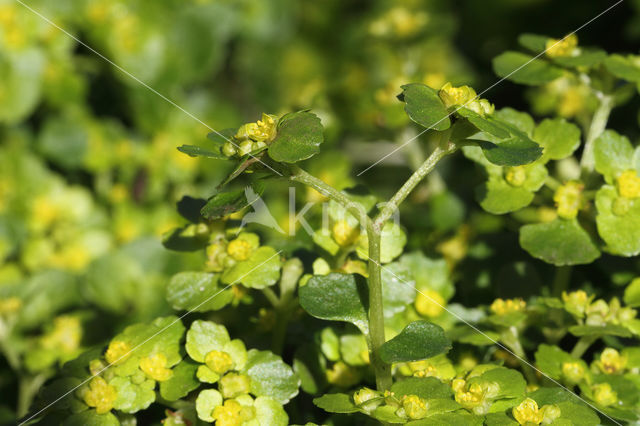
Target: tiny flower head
point(604, 395)
point(527, 413)
point(568, 199)
point(567, 46)
point(100, 395)
point(628, 184)
point(155, 367)
point(117, 352)
point(219, 362)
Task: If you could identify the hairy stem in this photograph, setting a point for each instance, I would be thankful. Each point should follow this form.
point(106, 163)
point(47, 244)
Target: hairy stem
point(376, 312)
point(598, 124)
point(427, 166)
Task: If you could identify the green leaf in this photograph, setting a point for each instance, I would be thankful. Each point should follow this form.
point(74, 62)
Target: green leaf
point(510, 152)
point(560, 242)
point(429, 274)
point(498, 196)
point(632, 294)
point(337, 297)
point(224, 203)
point(387, 414)
point(181, 382)
point(460, 418)
point(299, 137)
point(270, 376)
point(486, 124)
point(551, 395)
point(618, 222)
point(613, 154)
point(534, 42)
point(549, 360)
point(623, 68)
point(418, 340)
point(521, 120)
point(336, 403)
point(398, 288)
point(220, 138)
point(187, 238)
point(197, 291)
point(90, 417)
point(133, 397)
point(206, 402)
point(270, 412)
point(423, 387)
point(261, 270)
point(594, 330)
point(586, 58)
point(189, 208)
point(196, 151)
point(499, 419)
point(352, 348)
point(524, 69)
point(578, 414)
point(204, 337)
point(558, 137)
point(423, 105)
point(511, 383)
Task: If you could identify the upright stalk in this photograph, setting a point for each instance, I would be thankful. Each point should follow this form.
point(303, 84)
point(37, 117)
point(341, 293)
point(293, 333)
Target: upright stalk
point(376, 310)
point(597, 126)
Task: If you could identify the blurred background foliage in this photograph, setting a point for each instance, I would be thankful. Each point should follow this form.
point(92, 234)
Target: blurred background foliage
point(90, 174)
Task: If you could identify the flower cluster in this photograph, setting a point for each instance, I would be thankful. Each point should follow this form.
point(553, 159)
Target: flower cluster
point(252, 137)
point(465, 96)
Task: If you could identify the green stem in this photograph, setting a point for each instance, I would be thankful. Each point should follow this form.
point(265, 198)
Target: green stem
point(376, 312)
point(597, 126)
point(291, 272)
point(356, 209)
point(27, 389)
point(271, 297)
point(429, 164)
point(561, 280)
point(582, 345)
point(511, 338)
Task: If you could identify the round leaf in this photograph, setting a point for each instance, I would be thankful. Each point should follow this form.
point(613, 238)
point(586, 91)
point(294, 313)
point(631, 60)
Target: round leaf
point(188, 291)
point(621, 231)
point(423, 105)
point(206, 402)
point(204, 337)
point(336, 403)
point(523, 69)
point(337, 297)
point(560, 242)
point(270, 376)
point(418, 340)
point(613, 154)
point(261, 270)
point(558, 137)
point(299, 137)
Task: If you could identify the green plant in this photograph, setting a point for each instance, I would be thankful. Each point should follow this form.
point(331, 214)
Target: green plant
point(405, 355)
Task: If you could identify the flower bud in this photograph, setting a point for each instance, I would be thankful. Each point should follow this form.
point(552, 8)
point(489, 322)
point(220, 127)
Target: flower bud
point(515, 176)
point(100, 395)
point(154, 367)
point(453, 96)
point(508, 306)
point(573, 371)
point(367, 399)
point(611, 362)
point(233, 385)
point(229, 149)
point(568, 199)
point(239, 249)
point(117, 352)
point(527, 412)
point(414, 407)
point(604, 395)
point(245, 148)
point(562, 48)
point(576, 302)
point(550, 413)
point(219, 362)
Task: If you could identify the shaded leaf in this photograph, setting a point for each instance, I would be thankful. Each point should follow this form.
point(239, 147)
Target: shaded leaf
point(181, 382)
point(224, 203)
point(197, 291)
point(336, 403)
point(196, 151)
point(423, 105)
point(524, 69)
point(418, 340)
point(299, 137)
point(337, 297)
point(270, 376)
point(560, 242)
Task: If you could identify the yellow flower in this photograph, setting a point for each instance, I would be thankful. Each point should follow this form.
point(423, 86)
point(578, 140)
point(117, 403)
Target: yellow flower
point(232, 385)
point(477, 398)
point(414, 406)
point(65, 336)
point(527, 413)
point(154, 367)
point(576, 302)
point(344, 234)
point(568, 199)
point(573, 371)
point(367, 399)
point(628, 184)
point(219, 362)
point(565, 47)
point(515, 176)
point(603, 394)
point(10, 305)
point(117, 352)
point(231, 413)
point(239, 249)
point(611, 362)
point(430, 303)
point(452, 96)
point(504, 307)
point(100, 395)
point(263, 130)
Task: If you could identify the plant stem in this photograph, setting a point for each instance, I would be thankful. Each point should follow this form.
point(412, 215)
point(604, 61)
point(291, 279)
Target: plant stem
point(597, 126)
point(291, 272)
point(376, 312)
point(390, 207)
point(327, 190)
point(561, 280)
point(582, 345)
point(511, 338)
point(27, 389)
